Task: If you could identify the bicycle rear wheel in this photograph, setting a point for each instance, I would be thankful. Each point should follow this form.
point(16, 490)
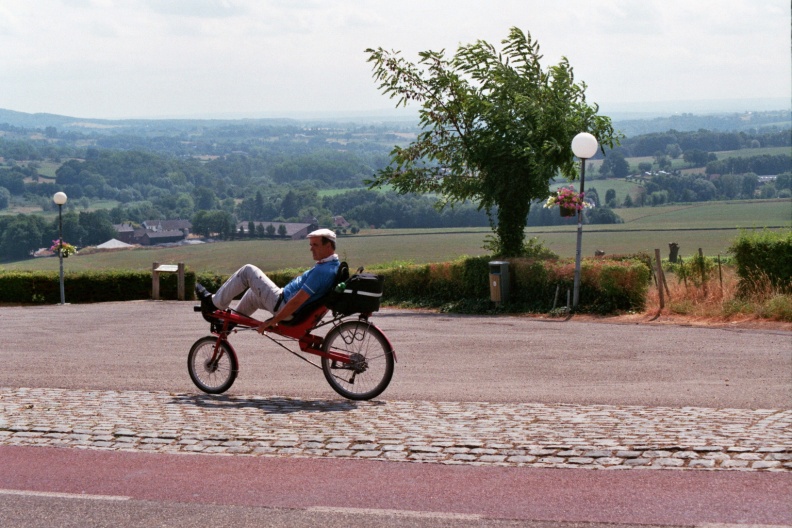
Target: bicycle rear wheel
point(372, 364)
point(212, 370)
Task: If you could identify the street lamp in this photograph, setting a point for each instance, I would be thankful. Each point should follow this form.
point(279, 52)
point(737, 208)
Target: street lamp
point(60, 199)
point(584, 146)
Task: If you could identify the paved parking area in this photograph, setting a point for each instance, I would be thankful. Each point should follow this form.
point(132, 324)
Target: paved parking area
point(441, 357)
point(472, 390)
point(507, 434)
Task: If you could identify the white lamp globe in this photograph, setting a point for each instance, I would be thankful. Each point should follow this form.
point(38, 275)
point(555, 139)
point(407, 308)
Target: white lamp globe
point(59, 198)
point(584, 145)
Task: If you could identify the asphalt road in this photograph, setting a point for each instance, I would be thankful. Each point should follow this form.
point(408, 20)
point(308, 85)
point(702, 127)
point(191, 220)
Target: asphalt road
point(141, 489)
point(143, 346)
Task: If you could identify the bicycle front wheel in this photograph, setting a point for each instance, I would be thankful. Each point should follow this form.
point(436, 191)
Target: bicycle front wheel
point(371, 367)
point(213, 367)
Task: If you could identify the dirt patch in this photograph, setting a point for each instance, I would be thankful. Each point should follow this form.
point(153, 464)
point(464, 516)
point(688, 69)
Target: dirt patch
point(745, 322)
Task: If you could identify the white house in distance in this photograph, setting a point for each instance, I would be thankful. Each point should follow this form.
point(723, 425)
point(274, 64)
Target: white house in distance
point(114, 244)
point(168, 225)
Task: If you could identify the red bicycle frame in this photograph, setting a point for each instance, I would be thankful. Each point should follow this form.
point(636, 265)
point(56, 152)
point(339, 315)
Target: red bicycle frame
point(299, 331)
point(357, 359)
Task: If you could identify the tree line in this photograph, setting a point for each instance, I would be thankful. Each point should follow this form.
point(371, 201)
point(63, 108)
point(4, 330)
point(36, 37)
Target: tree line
point(675, 187)
point(701, 140)
point(288, 172)
point(765, 164)
point(22, 234)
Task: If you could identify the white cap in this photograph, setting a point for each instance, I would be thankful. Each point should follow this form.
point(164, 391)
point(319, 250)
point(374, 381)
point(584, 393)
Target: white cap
point(326, 233)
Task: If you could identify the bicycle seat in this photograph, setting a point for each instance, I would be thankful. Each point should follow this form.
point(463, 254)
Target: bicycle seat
point(303, 312)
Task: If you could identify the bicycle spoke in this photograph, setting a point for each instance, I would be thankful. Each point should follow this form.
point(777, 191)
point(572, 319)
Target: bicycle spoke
point(370, 365)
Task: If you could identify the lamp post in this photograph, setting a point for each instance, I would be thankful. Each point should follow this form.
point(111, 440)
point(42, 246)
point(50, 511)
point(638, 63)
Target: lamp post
point(584, 146)
point(60, 199)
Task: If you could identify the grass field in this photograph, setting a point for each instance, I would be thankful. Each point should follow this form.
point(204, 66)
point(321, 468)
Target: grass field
point(226, 257)
point(710, 226)
point(742, 213)
point(35, 209)
point(745, 153)
point(707, 225)
point(335, 192)
point(48, 168)
point(622, 187)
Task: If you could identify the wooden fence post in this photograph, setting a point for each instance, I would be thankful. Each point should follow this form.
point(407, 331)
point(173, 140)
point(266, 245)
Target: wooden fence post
point(703, 271)
point(660, 279)
point(155, 281)
point(180, 282)
point(720, 274)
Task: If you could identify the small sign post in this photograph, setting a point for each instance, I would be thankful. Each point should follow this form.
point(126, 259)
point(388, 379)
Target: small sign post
point(158, 268)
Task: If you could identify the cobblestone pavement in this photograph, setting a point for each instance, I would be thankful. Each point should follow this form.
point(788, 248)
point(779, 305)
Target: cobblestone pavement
point(536, 435)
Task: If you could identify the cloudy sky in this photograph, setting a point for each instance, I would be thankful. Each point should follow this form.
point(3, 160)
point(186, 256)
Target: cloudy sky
point(255, 58)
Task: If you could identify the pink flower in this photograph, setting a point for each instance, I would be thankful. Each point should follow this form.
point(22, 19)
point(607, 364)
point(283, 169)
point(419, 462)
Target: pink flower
point(567, 198)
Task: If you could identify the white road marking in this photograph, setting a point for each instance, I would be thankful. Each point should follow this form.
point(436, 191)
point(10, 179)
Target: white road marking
point(719, 525)
point(399, 513)
point(56, 495)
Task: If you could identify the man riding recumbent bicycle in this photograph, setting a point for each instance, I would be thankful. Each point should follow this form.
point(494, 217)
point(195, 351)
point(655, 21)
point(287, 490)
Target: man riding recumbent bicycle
point(356, 357)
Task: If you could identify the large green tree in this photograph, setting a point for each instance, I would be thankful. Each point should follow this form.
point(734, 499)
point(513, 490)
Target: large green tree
point(214, 223)
point(20, 236)
point(496, 127)
point(615, 165)
point(98, 227)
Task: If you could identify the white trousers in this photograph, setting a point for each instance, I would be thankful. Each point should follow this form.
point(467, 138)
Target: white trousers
point(261, 293)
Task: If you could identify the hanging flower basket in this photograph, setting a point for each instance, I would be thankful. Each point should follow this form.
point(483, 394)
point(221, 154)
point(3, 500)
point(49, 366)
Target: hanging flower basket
point(568, 201)
point(67, 250)
point(567, 211)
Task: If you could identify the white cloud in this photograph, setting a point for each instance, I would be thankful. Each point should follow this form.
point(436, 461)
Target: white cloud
point(197, 8)
point(126, 58)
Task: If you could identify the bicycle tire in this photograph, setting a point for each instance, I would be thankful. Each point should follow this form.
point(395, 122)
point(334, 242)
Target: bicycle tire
point(371, 372)
point(212, 376)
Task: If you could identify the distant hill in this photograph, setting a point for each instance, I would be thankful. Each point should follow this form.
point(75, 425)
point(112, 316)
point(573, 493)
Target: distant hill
point(734, 122)
point(631, 126)
point(22, 119)
point(139, 126)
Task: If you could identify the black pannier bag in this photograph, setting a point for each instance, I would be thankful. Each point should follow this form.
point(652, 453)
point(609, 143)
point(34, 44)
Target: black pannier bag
point(361, 294)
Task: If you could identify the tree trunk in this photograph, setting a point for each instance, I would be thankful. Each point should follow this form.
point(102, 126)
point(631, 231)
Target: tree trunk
point(511, 229)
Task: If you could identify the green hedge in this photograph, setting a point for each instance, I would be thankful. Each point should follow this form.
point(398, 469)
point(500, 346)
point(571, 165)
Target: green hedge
point(606, 285)
point(21, 287)
point(763, 256)
point(463, 285)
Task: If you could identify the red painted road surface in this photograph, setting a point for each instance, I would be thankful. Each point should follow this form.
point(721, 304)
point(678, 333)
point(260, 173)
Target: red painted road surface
point(663, 497)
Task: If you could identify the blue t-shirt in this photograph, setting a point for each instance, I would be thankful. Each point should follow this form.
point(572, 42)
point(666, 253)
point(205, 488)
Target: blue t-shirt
point(317, 281)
